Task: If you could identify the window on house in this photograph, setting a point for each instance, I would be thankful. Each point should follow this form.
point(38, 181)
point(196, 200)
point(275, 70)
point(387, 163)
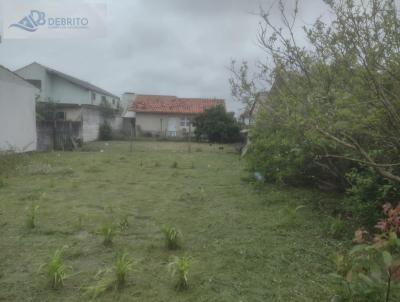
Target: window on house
point(113, 101)
point(93, 97)
point(185, 121)
point(103, 99)
point(60, 116)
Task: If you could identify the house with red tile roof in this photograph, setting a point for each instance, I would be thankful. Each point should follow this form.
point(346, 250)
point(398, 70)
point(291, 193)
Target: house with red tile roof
point(164, 115)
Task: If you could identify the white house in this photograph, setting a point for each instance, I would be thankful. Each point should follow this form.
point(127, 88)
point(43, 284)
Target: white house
point(75, 100)
point(163, 115)
point(17, 113)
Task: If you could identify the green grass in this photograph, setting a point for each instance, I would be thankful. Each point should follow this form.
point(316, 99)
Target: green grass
point(242, 246)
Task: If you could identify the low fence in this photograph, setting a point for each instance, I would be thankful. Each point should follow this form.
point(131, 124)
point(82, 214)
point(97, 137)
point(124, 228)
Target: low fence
point(58, 135)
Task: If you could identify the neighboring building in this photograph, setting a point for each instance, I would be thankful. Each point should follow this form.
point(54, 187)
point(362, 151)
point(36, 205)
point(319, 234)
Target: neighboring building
point(159, 115)
point(74, 100)
point(17, 113)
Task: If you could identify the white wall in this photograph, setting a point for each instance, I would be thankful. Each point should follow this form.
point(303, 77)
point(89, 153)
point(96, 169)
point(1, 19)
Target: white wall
point(92, 119)
point(17, 113)
point(157, 123)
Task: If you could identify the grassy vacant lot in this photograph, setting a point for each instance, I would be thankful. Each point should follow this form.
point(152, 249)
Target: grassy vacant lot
point(246, 244)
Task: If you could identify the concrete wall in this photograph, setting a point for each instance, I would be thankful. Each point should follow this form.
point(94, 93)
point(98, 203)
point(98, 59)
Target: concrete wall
point(92, 119)
point(158, 124)
point(17, 113)
point(63, 91)
point(36, 72)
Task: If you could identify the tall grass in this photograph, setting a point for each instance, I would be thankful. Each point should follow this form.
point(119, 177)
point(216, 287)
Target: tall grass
point(108, 231)
point(122, 266)
point(111, 278)
point(56, 270)
point(172, 237)
point(179, 268)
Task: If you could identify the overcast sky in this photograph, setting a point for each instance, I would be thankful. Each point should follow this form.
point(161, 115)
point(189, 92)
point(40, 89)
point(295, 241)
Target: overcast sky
point(173, 47)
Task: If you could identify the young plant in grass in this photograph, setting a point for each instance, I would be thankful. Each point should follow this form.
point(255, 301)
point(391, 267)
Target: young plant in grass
point(172, 237)
point(108, 231)
point(31, 218)
point(174, 165)
point(111, 278)
point(122, 267)
point(56, 270)
point(179, 269)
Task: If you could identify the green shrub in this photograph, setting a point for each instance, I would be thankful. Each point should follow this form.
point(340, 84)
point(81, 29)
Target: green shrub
point(217, 125)
point(366, 195)
point(370, 271)
point(172, 237)
point(122, 267)
point(174, 165)
point(108, 231)
point(337, 227)
point(179, 269)
point(105, 132)
point(111, 278)
point(56, 270)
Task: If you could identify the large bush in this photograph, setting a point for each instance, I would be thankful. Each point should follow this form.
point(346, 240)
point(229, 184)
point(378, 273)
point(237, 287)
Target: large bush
point(217, 125)
point(332, 114)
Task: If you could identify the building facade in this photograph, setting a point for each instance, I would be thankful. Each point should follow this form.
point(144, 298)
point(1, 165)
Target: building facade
point(167, 116)
point(73, 99)
point(17, 113)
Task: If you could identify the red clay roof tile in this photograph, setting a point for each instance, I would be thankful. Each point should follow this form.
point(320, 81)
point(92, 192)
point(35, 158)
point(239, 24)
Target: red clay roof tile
point(172, 104)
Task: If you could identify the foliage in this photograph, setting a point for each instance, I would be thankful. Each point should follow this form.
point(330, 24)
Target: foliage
point(331, 112)
point(108, 231)
point(172, 236)
point(31, 217)
point(105, 131)
point(107, 110)
point(56, 270)
point(122, 267)
point(365, 196)
point(174, 165)
point(10, 161)
point(45, 109)
point(217, 125)
point(337, 227)
point(179, 268)
point(111, 278)
point(371, 270)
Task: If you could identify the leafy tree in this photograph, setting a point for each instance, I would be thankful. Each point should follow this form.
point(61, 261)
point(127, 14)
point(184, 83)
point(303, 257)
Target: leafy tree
point(217, 125)
point(332, 116)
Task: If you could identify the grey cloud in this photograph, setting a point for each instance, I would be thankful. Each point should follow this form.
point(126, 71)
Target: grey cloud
point(179, 47)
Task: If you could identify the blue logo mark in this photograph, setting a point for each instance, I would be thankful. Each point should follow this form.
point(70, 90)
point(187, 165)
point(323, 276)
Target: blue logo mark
point(31, 22)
